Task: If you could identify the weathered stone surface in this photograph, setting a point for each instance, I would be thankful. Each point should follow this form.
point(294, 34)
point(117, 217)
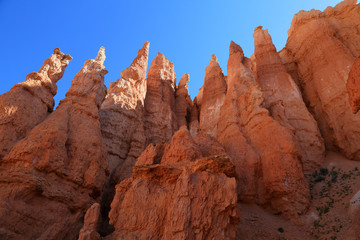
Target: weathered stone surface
point(122, 112)
point(183, 103)
point(284, 101)
point(264, 152)
point(177, 198)
point(323, 71)
point(353, 86)
point(194, 118)
point(91, 224)
point(30, 102)
point(160, 118)
point(213, 96)
point(50, 178)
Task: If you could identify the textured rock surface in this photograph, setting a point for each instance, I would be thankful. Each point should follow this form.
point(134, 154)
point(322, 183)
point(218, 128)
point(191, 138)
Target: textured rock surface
point(323, 71)
point(177, 199)
point(160, 118)
point(284, 101)
point(267, 144)
point(30, 102)
point(353, 86)
point(91, 224)
point(213, 96)
point(122, 112)
point(183, 103)
point(52, 176)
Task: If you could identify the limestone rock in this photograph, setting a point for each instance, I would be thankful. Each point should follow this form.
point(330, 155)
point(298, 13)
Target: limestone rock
point(57, 172)
point(353, 86)
point(264, 152)
point(284, 101)
point(160, 118)
point(323, 72)
point(183, 103)
point(122, 111)
point(213, 96)
point(30, 102)
point(177, 199)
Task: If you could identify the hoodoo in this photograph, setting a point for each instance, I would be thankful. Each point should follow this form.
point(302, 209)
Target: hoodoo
point(271, 150)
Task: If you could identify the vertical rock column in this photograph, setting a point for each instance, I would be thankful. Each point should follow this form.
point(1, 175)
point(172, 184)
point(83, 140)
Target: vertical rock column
point(282, 185)
point(183, 103)
point(160, 118)
point(30, 102)
point(284, 101)
point(50, 178)
point(122, 112)
point(213, 97)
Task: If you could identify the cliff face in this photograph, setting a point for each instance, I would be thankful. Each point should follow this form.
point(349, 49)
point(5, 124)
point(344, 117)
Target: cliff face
point(144, 161)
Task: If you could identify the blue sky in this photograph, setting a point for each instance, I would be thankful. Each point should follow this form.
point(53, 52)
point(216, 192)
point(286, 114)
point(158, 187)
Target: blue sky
point(187, 32)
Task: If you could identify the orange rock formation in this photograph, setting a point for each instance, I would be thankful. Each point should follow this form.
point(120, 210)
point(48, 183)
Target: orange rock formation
point(144, 161)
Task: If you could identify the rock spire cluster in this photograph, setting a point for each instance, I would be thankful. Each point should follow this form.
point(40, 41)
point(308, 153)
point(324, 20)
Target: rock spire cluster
point(142, 160)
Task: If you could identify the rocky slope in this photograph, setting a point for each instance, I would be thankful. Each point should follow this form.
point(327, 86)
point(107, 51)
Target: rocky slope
point(262, 153)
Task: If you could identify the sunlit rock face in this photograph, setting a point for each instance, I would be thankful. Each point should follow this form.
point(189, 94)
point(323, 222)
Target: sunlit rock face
point(52, 176)
point(187, 195)
point(122, 112)
point(30, 102)
point(284, 101)
point(145, 161)
point(323, 70)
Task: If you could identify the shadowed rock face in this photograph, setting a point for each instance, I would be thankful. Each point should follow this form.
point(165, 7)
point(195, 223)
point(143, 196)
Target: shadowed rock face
point(160, 119)
point(284, 101)
point(54, 174)
point(30, 102)
point(186, 196)
point(323, 71)
point(353, 86)
point(183, 102)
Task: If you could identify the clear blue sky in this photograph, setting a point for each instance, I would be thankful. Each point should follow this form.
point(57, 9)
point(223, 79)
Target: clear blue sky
point(187, 32)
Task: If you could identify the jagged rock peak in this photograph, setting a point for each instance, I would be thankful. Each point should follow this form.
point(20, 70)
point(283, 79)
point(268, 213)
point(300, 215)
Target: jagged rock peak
point(235, 48)
point(28, 103)
point(137, 69)
point(262, 36)
point(184, 80)
point(162, 68)
point(101, 55)
point(54, 66)
point(89, 81)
